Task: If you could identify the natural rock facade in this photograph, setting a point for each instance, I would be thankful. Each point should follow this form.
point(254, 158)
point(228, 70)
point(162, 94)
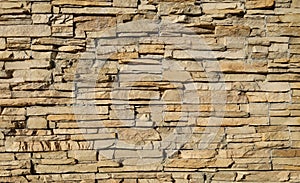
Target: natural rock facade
point(150, 91)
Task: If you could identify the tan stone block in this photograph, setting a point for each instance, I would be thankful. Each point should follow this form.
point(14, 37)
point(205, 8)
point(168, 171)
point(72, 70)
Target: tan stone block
point(138, 136)
point(240, 130)
point(124, 55)
point(127, 3)
point(81, 2)
point(121, 114)
point(2, 43)
point(62, 31)
point(295, 4)
point(41, 7)
point(294, 18)
point(7, 157)
point(13, 111)
point(240, 66)
point(282, 31)
point(270, 136)
point(70, 49)
point(286, 153)
point(151, 48)
point(224, 176)
point(80, 168)
point(194, 54)
point(285, 120)
point(50, 155)
point(40, 18)
point(258, 4)
point(261, 109)
point(155, 167)
point(268, 97)
point(176, 76)
point(233, 31)
point(16, 55)
point(93, 136)
point(83, 155)
point(56, 161)
point(37, 123)
point(197, 154)
point(232, 121)
point(175, 116)
point(173, 95)
point(272, 144)
point(166, 8)
point(134, 94)
point(187, 163)
point(33, 75)
point(39, 110)
point(88, 177)
point(219, 6)
point(25, 31)
point(98, 10)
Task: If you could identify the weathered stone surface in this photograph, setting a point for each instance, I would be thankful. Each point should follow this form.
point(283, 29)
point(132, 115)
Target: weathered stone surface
point(41, 8)
point(234, 30)
point(295, 4)
point(257, 4)
point(87, 155)
point(37, 123)
point(25, 30)
point(138, 136)
point(221, 8)
point(98, 10)
point(196, 154)
point(166, 8)
point(81, 2)
point(129, 3)
point(66, 168)
point(33, 75)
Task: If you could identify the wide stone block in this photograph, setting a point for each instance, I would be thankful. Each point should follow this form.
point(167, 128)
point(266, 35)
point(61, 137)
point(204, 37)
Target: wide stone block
point(37, 123)
point(80, 168)
point(127, 3)
point(25, 30)
point(33, 75)
point(233, 31)
point(259, 4)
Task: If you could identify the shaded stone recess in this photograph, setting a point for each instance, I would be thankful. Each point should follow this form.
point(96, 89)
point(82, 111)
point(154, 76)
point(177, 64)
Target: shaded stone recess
point(92, 91)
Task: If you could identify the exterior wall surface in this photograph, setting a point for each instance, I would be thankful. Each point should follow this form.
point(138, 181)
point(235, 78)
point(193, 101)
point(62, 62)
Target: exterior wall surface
point(150, 91)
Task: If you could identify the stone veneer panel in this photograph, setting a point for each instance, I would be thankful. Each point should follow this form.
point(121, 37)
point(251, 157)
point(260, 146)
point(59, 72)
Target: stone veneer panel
point(143, 91)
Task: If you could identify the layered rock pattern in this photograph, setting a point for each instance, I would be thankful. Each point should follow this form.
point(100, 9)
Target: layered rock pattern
point(143, 91)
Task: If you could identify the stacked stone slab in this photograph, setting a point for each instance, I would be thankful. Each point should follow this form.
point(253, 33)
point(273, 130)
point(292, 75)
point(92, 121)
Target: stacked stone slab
point(143, 91)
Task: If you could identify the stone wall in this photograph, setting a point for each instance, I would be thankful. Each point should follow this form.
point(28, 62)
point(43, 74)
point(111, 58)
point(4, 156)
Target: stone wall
point(149, 91)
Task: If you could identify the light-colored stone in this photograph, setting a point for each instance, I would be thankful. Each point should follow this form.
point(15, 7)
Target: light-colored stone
point(166, 8)
point(128, 3)
point(197, 154)
point(87, 155)
point(81, 2)
point(258, 4)
point(2, 43)
point(41, 7)
point(98, 10)
point(138, 136)
point(80, 168)
point(295, 4)
point(33, 75)
point(25, 30)
point(37, 123)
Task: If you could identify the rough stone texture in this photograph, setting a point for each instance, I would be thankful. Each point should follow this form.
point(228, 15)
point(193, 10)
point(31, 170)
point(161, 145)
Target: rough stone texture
point(150, 91)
